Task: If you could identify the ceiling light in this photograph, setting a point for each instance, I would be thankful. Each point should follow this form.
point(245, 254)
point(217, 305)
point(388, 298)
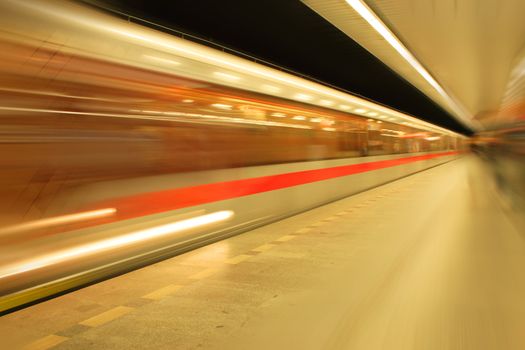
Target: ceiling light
point(360, 110)
point(187, 101)
point(372, 114)
point(368, 15)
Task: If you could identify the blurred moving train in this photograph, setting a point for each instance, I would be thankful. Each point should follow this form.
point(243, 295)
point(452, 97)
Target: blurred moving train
point(121, 145)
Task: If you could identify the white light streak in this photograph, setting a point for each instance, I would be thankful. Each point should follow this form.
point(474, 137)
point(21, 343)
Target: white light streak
point(393, 131)
point(226, 76)
point(303, 97)
point(105, 245)
point(58, 220)
point(57, 94)
point(222, 106)
point(299, 117)
point(162, 60)
point(271, 88)
point(166, 116)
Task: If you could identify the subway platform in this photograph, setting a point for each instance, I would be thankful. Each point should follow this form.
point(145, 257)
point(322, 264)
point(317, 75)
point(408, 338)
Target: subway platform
point(430, 261)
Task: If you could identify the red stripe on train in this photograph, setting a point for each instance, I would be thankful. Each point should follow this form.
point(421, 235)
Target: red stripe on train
point(156, 202)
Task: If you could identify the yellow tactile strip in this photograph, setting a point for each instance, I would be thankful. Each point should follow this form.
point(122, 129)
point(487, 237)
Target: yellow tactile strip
point(114, 313)
point(106, 316)
point(162, 292)
point(263, 248)
point(46, 342)
point(285, 238)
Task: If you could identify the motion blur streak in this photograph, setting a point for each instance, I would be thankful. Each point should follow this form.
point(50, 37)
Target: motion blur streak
point(113, 243)
point(109, 128)
point(58, 220)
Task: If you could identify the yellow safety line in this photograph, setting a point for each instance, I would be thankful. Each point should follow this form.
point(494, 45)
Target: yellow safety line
point(285, 238)
point(303, 230)
point(106, 316)
point(46, 342)
point(162, 292)
point(263, 248)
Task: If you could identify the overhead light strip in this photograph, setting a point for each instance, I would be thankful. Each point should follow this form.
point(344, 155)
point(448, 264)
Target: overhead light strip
point(368, 15)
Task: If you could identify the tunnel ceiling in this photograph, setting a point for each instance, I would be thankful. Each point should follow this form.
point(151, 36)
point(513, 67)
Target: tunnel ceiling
point(291, 35)
point(471, 47)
